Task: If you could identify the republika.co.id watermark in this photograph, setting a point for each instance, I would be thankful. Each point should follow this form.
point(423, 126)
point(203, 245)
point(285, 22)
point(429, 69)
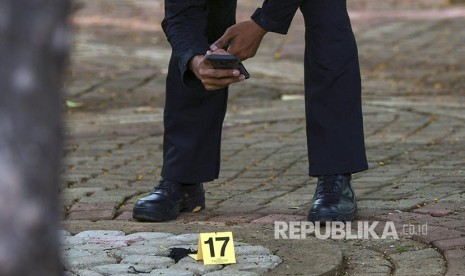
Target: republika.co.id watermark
point(345, 230)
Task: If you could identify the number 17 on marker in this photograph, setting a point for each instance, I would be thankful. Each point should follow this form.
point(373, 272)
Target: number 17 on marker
point(216, 248)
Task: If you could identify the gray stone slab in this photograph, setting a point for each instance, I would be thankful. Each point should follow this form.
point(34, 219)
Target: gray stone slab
point(197, 267)
point(171, 272)
point(89, 261)
point(97, 247)
point(64, 233)
point(159, 243)
point(185, 238)
point(112, 269)
point(232, 272)
point(258, 264)
point(259, 268)
point(251, 250)
point(73, 240)
point(99, 233)
point(86, 272)
point(149, 261)
point(187, 259)
point(140, 250)
point(74, 253)
point(151, 235)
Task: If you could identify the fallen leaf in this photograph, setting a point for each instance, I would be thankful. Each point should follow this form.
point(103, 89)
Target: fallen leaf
point(72, 104)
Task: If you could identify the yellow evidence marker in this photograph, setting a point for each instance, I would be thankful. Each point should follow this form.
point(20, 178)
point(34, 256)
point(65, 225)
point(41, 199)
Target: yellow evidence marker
point(215, 248)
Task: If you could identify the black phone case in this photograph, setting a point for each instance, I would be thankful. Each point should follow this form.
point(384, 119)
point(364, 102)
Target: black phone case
point(228, 62)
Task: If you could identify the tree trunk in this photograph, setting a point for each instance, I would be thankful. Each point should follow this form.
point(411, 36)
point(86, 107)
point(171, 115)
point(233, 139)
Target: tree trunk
point(34, 46)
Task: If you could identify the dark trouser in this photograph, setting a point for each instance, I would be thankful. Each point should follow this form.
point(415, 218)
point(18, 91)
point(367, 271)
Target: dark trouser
point(332, 90)
point(194, 117)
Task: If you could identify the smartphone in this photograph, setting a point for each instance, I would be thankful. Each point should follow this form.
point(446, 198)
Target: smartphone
point(228, 62)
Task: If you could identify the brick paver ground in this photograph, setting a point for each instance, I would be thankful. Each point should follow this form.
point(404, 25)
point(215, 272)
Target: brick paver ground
point(413, 66)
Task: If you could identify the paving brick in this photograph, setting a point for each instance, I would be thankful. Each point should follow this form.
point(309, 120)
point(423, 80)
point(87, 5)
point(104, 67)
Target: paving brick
point(92, 211)
point(80, 207)
point(94, 215)
point(270, 219)
point(233, 219)
point(455, 262)
point(436, 233)
point(450, 244)
point(194, 217)
point(126, 216)
point(103, 199)
point(232, 205)
point(404, 217)
point(439, 209)
point(126, 207)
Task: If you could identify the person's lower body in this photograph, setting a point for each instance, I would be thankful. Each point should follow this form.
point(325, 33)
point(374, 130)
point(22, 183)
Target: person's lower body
point(193, 123)
point(193, 120)
point(335, 138)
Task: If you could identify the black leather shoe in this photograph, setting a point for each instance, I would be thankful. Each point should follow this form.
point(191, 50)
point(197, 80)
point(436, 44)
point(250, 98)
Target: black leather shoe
point(334, 199)
point(168, 199)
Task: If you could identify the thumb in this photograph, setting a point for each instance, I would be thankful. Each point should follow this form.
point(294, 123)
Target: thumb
point(221, 42)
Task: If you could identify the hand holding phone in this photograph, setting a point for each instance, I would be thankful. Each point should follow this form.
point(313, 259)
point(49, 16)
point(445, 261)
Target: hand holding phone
point(227, 62)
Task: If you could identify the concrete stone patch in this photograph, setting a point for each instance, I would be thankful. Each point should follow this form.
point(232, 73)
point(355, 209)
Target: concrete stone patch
point(252, 250)
point(171, 272)
point(85, 262)
point(148, 261)
point(140, 250)
point(185, 238)
point(151, 235)
point(86, 272)
point(113, 269)
point(118, 240)
point(232, 272)
point(100, 234)
point(104, 253)
point(72, 240)
point(197, 267)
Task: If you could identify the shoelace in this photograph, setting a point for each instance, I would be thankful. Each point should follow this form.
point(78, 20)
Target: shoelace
point(162, 185)
point(330, 185)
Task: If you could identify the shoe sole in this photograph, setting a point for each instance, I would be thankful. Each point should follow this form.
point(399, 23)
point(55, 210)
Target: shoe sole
point(342, 217)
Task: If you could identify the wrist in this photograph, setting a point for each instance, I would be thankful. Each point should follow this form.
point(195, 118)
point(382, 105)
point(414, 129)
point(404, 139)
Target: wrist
point(194, 64)
point(262, 32)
